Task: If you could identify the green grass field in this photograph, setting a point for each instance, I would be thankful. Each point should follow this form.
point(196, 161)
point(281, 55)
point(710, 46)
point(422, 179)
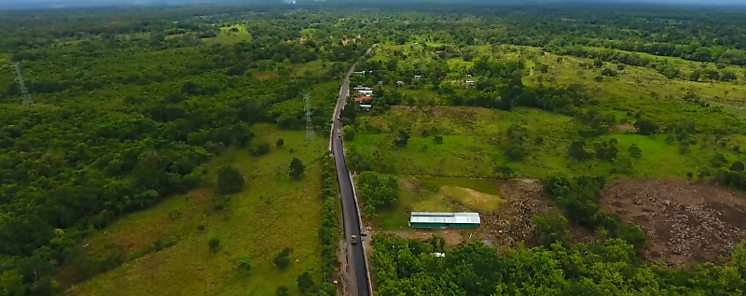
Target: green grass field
point(227, 36)
point(272, 212)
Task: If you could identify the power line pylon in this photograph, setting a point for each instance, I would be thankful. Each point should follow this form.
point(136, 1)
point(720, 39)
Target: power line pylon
point(310, 134)
point(21, 85)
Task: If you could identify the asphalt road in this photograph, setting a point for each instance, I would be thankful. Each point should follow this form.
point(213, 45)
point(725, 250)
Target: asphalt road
point(349, 207)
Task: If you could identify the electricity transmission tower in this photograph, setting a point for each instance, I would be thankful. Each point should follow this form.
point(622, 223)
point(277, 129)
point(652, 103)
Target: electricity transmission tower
point(310, 134)
point(21, 85)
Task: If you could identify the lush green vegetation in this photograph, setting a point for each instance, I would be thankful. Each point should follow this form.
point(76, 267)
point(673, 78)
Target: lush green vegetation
point(602, 267)
point(129, 105)
point(137, 110)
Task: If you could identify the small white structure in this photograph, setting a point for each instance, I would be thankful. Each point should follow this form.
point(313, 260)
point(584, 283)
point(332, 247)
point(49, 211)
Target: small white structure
point(439, 255)
point(380, 82)
point(417, 77)
point(468, 76)
point(361, 72)
point(400, 83)
point(470, 82)
point(366, 92)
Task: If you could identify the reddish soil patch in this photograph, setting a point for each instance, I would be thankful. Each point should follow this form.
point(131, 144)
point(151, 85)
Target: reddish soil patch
point(265, 75)
point(622, 128)
point(511, 222)
point(683, 221)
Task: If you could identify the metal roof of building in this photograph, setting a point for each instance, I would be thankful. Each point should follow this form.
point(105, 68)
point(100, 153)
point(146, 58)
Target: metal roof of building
point(451, 218)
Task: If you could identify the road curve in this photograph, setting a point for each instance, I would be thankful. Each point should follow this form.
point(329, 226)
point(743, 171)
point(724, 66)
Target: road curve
point(350, 214)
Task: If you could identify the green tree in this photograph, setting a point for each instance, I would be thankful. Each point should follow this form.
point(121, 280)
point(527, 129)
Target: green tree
point(438, 139)
point(280, 142)
point(577, 151)
point(378, 190)
point(214, 245)
point(645, 127)
point(282, 259)
point(11, 284)
point(296, 168)
point(305, 282)
point(550, 228)
point(230, 180)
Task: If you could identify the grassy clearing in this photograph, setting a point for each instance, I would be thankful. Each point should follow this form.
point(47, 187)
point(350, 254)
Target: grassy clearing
point(438, 194)
point(272, 212)
point(229, 35)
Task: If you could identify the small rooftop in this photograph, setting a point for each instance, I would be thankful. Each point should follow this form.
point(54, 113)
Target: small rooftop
point(457, 218)
point(363, 98)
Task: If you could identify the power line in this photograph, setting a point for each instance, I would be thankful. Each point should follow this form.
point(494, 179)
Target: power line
point(21, 85)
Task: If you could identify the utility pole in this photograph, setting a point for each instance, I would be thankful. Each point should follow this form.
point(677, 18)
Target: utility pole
point(310, 134)
point(21, 85)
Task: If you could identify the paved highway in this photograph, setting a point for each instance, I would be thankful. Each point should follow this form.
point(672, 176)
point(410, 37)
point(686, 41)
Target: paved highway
point(350, 213)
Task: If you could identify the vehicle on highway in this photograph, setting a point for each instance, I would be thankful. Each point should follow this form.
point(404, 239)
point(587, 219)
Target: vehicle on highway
point(354, 239)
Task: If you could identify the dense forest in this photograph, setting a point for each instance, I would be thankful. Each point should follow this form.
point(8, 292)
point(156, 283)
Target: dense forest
point(130, 103)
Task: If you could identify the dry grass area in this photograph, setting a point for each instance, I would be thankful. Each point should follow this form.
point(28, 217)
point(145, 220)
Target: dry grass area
point(683, 221)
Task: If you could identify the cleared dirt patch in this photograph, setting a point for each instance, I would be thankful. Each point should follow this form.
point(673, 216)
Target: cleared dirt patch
point(622, 128)
point(683, 221)
point(511, 222)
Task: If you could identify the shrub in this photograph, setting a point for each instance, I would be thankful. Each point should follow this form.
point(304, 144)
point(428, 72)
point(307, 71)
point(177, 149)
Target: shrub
point(230, 180)
point(282, 259)
point(214, 245)
point(280, 142)
point(296, 168)
point(242, 263)
point(259, 149)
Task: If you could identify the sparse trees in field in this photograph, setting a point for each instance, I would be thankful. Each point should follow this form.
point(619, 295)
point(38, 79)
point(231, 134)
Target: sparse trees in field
point(230, 180)
point(280, 142)
point(438, 139)
point(296, 168)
